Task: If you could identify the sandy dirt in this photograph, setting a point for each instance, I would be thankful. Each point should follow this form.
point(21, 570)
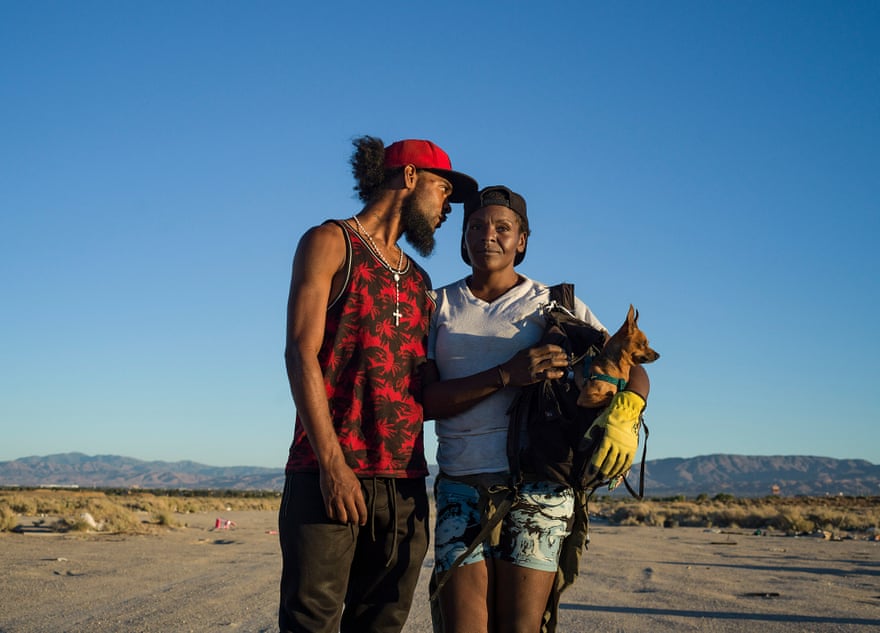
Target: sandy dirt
point(634, 579)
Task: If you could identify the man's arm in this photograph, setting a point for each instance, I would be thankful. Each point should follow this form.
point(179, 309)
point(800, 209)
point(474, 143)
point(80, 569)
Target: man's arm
point(319, 257)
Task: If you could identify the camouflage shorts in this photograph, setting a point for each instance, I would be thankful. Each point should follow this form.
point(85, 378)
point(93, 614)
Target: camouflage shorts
point(531, 534)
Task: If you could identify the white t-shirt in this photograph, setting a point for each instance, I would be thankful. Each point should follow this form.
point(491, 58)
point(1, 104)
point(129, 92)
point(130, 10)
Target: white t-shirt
point(469, 335)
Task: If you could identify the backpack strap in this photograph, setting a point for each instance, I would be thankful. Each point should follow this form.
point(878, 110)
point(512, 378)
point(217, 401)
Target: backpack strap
point(641, 493)
point(563, 294)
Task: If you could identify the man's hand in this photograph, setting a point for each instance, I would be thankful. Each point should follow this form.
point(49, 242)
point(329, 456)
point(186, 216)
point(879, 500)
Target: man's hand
point(343, 497)
point(618, 426)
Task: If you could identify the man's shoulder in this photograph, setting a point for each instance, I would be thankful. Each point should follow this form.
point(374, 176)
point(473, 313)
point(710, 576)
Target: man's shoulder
point(330, 226)
point(324, 245)
point(329, 230)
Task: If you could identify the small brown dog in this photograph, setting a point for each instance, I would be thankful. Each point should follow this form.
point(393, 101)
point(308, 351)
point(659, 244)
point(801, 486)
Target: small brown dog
point(609, 371)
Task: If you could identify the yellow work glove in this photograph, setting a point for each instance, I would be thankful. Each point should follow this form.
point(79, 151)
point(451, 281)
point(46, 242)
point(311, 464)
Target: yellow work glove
point(618, 425)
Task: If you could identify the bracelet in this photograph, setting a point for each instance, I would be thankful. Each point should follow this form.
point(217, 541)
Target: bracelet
point(502, 378)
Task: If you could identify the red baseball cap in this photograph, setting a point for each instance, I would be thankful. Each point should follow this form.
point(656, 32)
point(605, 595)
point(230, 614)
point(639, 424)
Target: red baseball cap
point(426, 155)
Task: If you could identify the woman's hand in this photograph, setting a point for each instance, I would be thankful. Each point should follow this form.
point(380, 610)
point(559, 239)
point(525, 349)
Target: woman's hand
point(535, 364)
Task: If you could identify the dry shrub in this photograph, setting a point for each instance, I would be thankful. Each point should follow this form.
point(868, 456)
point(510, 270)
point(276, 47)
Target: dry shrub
point(8, 518)
point(795, 515)
point(165, 519)
point(71, 508)
point(19, 504)
point(793, 521)
point(643, 513)
point(117, 510)
point(188, 504)
point(854, 521)
point(108, 516)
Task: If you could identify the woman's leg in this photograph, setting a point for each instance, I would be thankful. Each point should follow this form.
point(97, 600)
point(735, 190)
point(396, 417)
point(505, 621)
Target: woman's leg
point(528, 555)
point(464, 599)
point(521, 597)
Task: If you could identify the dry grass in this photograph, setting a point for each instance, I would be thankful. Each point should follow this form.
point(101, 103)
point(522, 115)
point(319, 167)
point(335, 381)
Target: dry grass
point(123, 510)
point(8, 518)
point(790, 515)
point(115, 511)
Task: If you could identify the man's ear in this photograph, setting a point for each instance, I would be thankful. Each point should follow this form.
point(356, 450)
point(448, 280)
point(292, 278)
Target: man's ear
point(410, 176)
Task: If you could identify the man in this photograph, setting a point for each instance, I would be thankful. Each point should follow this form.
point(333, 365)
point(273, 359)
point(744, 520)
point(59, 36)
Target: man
point(353, 521)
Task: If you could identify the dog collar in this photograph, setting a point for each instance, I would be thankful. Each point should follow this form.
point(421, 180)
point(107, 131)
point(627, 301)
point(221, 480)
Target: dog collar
point(620, 383)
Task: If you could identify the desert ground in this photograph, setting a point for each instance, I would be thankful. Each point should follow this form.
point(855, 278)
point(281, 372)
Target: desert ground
point(634, 579)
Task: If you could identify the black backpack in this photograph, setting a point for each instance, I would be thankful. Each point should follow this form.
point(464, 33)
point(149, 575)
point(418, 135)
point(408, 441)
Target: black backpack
point(546, 438)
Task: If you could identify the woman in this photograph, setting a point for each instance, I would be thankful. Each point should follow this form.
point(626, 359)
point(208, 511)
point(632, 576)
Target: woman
point(482, 345)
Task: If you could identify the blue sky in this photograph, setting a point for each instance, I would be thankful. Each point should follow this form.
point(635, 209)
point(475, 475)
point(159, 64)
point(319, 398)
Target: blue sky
point(714, 163)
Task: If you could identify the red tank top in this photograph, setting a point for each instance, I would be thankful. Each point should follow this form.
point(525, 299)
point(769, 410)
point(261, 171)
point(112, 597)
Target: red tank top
point(370, 368)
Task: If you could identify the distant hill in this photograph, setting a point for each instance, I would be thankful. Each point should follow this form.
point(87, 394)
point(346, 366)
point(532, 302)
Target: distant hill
point(113, 471)
point(750, 476)
point(739, 475)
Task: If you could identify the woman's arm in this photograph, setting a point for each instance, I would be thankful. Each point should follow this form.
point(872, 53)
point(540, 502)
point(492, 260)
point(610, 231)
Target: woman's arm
point(639, 381)
point(445, 398)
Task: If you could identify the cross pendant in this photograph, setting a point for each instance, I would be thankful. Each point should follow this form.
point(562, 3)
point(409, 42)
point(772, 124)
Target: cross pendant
point(396, 314)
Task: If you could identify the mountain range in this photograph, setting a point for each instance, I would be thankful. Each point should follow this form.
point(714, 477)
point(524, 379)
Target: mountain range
point(758, 476)
point(738, 475)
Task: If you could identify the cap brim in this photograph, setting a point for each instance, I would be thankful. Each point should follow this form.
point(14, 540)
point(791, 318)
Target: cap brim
point(463, 186)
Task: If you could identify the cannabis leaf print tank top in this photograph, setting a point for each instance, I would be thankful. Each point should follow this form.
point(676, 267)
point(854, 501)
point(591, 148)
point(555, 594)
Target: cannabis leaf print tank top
point(370, 368)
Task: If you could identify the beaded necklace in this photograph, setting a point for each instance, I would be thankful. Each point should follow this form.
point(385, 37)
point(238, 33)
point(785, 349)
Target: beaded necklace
point(395, 272)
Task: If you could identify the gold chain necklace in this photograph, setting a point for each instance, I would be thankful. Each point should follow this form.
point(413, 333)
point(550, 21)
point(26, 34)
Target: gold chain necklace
point(395, 272)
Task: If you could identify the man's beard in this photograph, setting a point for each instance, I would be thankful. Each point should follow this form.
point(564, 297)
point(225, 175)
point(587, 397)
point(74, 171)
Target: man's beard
point(417, 230)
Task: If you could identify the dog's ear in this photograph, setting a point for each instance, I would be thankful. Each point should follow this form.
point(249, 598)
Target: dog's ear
point(632, 316)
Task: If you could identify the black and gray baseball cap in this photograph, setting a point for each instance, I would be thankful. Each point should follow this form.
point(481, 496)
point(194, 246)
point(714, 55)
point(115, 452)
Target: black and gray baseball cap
point(496, 195)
